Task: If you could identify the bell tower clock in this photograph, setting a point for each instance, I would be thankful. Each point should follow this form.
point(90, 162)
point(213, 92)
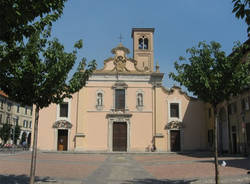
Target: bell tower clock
point(143, 49)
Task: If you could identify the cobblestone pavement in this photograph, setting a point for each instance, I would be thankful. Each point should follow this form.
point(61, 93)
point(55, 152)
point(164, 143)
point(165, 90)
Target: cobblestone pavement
point(69, 168)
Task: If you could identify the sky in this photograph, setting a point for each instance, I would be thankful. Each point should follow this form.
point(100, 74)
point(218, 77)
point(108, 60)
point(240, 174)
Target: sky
point(179, 24)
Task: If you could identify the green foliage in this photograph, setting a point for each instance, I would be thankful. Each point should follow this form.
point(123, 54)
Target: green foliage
point(242, 10)
point(211, 75)
point(21, 18)
point(5, 132)
point(16, 135)
point(40, 76)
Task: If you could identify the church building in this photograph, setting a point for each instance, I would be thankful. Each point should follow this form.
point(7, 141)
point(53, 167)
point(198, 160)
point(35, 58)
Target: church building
point(125, 108)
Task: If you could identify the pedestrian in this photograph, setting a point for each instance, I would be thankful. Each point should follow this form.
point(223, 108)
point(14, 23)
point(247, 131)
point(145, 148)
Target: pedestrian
point(24, 145)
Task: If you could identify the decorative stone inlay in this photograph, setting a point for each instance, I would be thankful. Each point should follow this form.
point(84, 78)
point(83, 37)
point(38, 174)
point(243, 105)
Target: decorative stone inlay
point(174, 125)
point(120, 85)
point(80, 135)
point(120, 64)
point(119, 115)
point(62, 124)
point(159, 135)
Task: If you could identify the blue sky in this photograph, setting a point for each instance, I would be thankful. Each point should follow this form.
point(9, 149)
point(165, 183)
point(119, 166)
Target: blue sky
point(179, 24)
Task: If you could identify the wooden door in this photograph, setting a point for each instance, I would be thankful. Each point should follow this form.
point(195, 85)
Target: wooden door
point(175, 140)
point(120, 136)
point(62, 141)
point(234, 137)
point(248, 134)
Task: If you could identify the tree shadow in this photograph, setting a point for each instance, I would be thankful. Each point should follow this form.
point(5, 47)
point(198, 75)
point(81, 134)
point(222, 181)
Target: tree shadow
point(21, 179)
point(237, 163)
point(158, 181)
point(197, 154)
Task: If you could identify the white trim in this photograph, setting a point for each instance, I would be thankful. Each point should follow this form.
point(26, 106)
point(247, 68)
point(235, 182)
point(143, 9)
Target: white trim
point(58, 111)
point(126, 78)
point(126, 94)
point(180, 112)
point(110, 131)
point(56, 138)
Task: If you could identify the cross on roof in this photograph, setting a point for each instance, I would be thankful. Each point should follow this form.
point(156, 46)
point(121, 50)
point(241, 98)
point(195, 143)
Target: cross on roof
point(120, 38)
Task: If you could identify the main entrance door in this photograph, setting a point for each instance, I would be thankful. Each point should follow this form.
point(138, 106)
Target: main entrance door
point(119, 136)
point(175, 140)
point(62, 141)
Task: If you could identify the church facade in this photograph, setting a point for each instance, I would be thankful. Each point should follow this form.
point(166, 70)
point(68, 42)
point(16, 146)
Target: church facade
point(124, 107)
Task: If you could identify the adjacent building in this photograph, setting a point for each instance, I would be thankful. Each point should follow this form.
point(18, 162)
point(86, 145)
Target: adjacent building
point(15, 114)
point(124, 107)
point(233, 122)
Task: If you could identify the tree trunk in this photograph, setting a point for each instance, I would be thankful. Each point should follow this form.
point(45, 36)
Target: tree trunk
point(217, 179)
point(34, 148)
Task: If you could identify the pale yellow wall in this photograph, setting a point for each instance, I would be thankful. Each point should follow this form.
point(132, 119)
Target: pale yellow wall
point(94, 124)
point(141, 131)
point(47, 117)
point(46, 133)
point(161, 119)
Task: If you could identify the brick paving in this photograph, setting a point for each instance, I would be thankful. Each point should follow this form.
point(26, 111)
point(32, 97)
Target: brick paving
point(69, 168)
point(191, 166)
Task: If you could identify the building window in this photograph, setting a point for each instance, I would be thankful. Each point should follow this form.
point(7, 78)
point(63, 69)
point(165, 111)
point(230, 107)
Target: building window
point(15, 121)
point(174, 110)
point(24, 123)
point(143, 43)
point(9, 107)
point(26, 110)
point(64, 109)
point(31, 111)
point(17, 108)
point(30, 124)
point(1, 117)
point(120, 99)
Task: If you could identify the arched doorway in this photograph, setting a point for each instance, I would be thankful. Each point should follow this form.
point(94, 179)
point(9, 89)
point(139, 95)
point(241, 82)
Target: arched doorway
point(175, 132)
point(23, 138)
point(29, 140)
point(62, 135)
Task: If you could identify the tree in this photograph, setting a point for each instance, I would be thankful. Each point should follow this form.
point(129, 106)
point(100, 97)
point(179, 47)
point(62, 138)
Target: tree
point(19, 20)
point(242, 11)
point(213, 77)
point(15, 136)
point(5, 132)
point(41, 77)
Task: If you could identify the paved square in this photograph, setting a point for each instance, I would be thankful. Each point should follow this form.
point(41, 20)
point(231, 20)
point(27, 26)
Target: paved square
point(72, 168)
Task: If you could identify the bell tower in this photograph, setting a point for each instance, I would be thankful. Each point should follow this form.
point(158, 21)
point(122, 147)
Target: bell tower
point(143, 48)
